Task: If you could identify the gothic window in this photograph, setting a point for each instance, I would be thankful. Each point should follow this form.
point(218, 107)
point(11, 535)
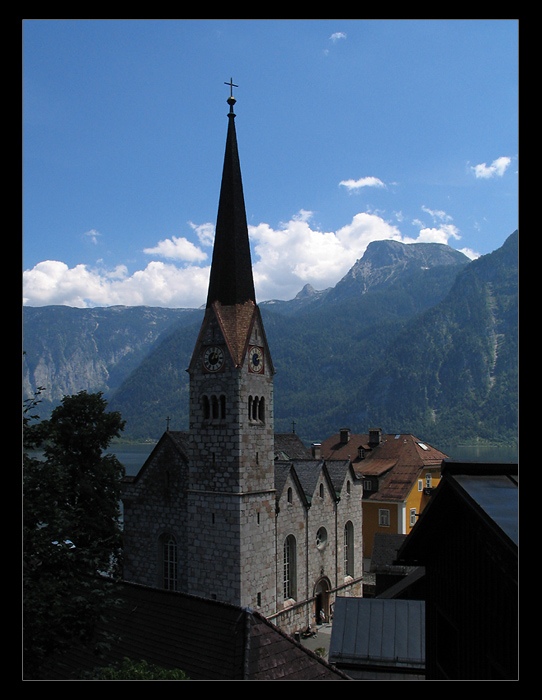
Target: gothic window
point(169, 562)
point(206, 407)
point(290, 566)
point(349, 549)
point(321, 490)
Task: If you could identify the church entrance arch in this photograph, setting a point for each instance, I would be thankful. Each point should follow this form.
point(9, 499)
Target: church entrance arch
point(321, 600)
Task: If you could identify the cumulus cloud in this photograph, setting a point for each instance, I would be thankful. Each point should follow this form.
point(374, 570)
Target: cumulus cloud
point(284, 259)
point(336, 36)
point(353, 185)
point(159, 284)
point(177, 249)
point(496, 169)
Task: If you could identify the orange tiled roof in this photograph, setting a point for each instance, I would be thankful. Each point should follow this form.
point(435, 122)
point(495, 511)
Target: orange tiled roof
point(397, 459)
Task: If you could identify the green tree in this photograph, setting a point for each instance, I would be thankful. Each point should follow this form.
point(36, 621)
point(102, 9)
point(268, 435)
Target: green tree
point(72, 536)
point(130, 670)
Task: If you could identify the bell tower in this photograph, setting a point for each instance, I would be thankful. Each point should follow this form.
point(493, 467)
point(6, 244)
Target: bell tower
point(231, 491)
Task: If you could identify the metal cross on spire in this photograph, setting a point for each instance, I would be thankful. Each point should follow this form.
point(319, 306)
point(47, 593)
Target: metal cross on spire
point(232, 85)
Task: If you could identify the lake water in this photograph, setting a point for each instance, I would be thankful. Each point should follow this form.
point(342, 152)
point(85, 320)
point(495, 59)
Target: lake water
point(133, 456)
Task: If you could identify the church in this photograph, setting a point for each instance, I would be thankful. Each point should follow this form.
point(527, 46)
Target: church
point(228, 510)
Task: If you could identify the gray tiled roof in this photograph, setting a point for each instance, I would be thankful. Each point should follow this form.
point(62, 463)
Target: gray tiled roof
point(207, 639)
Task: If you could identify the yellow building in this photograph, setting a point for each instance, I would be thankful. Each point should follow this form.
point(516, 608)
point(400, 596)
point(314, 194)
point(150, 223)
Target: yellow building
point(399, 475)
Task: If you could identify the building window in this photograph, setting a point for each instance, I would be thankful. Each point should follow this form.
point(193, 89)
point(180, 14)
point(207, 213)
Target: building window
point(348, 487)
point(256, 409)
point(349, 549)
point(367, 485)
point(412, 517)
point(290, 494)
point(420, 484)
point(384, 517)
point(321, 538)
point(290, 566)
point(321, 490)
point(214, 407)
point(168, 554)
point(428, 480)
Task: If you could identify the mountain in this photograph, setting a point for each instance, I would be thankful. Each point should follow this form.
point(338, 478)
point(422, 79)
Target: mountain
point(67, 350)
point(415, 338)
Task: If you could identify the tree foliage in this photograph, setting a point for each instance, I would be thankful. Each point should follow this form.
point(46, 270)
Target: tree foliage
point(130, 670)
point(71, 524)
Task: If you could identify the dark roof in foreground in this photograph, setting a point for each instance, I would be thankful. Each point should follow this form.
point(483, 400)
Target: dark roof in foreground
point(491, 493)
point(206, 639)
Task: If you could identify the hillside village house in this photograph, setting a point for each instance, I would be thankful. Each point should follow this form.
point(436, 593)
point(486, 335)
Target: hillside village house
point(399, 473)
point(227, 510)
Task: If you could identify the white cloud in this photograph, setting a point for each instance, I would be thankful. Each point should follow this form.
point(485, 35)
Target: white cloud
point(93, 236)
point(177, 249)
point(284, 260)
point(496, 169)
point(362, 182)
point(159, 284)
point(436, 214)
point(336, 36)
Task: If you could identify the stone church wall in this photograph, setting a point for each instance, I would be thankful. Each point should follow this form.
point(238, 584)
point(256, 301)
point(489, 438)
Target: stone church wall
point(153, 505)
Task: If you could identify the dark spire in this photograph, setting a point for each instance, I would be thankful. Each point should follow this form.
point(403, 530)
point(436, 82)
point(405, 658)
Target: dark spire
point(231, 280)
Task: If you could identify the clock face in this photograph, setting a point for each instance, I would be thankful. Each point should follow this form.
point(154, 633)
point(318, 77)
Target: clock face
point(255, 359)
point(213, 358)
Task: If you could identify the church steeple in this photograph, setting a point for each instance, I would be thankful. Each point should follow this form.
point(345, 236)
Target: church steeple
point(231, 281)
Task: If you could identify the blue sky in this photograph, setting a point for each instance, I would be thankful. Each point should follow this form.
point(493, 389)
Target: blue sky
point(349, 131)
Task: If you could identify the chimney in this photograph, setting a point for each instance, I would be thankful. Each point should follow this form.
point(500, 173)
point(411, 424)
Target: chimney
point(344, 435)
point(317, 450)
point(375, 436)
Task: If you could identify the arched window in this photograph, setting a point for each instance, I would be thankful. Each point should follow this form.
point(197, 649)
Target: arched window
point(290, 495)
point(169, 562)
point(290, 568)
point(214, 407)
point(321, 490)
point(256, 409)
point(349, 549)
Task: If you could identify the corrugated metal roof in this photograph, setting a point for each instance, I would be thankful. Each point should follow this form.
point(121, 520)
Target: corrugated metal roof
point(376, 632)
